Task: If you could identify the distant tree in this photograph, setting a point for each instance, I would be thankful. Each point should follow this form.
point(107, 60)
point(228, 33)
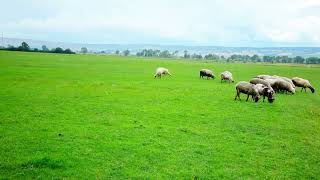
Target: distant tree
point(196, 56)
point(165, 54)
point(126, 52)
point(58, 50)
point(158, 52)
point(298, 59)
point(24, 47)
point(68, 51)
point(186, 55)
point(44, 48)
point(313, 60)
point(84, 50)
point(117, 52)
point(255, 58)
point(139, 54)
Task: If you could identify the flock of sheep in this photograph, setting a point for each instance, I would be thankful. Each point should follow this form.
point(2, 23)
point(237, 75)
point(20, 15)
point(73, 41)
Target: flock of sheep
point(261, 85)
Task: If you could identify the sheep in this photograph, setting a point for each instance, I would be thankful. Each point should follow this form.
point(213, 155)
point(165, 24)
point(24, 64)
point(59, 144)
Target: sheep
point(282, 85)
point(299, 82)
point(286, 79)
point(226, 76)
point(206, 72)
point(247, 88)
point(263, 76)
point(265, 91)
point(271, 80)
point(161, 71)
point(260, 81)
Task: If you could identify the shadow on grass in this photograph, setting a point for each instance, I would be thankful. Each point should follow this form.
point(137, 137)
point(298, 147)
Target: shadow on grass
point(45, 162)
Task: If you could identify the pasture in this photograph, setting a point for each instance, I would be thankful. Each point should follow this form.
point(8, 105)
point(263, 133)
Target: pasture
point(88, 116)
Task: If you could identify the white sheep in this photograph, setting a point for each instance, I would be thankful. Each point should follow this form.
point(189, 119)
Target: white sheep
point(161, 71)
point(227, 76)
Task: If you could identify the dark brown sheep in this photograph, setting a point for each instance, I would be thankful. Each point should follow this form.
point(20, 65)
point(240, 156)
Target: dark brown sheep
point(206, 73)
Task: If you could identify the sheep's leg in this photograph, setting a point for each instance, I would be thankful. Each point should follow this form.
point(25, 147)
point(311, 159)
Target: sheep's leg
point(301, 89)
point(264, 98)
point(237, 95)
point(305, 89)
point(247, 97)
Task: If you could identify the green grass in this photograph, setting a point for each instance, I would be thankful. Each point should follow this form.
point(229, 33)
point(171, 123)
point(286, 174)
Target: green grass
point(87, 116)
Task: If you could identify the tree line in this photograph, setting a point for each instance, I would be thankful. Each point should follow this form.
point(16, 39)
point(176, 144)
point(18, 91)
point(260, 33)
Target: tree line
point(26, 48)
point(175, 54)
point(232, 58)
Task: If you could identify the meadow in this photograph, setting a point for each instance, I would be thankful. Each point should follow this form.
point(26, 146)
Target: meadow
point(89, 116)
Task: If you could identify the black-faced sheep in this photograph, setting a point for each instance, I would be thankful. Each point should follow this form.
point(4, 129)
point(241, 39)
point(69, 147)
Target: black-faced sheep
point(227, 76)
point(299, 82)
point(249, 89)
point(206, 73)
point(265, 91)
point(161, 71)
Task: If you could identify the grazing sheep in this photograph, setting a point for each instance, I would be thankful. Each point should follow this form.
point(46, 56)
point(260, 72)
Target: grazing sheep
point(247, 88)
point(286, 79)
point(282, 85)
point(271, 80)
point(226, 76)
point(263, 76)
point(299, 82)
point(161, 71)
point(265, 91)
point(260, 81)
point(206, 72)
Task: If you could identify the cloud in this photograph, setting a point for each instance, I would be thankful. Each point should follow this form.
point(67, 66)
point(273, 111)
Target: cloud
point(219, 22)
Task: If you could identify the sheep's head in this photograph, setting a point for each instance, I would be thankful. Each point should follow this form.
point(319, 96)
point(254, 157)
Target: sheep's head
point(269, 92)
point(292, 90)
point(312, 89)
point(212, 76)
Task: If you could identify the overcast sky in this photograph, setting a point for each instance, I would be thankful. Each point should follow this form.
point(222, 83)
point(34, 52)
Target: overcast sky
point(185, 22)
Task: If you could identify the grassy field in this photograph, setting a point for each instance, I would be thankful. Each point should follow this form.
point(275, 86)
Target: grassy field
point(87, 116)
